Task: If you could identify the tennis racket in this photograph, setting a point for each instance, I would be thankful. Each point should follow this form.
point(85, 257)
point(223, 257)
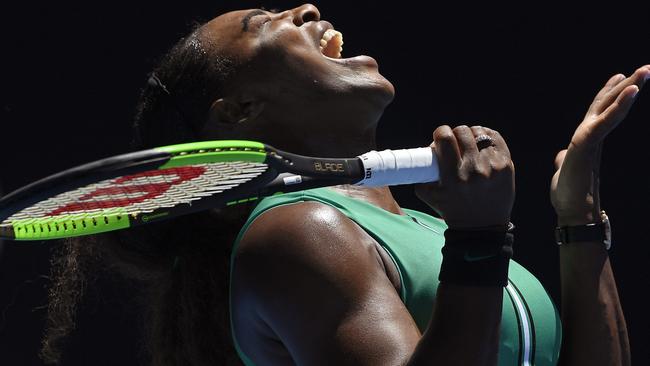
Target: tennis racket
point(133, 189)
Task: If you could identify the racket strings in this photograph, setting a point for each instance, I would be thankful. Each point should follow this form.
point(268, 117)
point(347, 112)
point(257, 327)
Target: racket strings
point(106, 201)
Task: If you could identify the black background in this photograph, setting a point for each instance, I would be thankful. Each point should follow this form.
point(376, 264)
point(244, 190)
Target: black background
point(71, 72)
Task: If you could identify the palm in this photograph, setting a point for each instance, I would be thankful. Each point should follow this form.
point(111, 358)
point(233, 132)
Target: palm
point(574, 186)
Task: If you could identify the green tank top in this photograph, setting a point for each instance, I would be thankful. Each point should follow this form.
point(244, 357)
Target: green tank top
point(531, 331)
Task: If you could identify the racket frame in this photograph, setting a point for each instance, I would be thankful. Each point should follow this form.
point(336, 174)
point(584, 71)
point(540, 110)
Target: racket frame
point(286, 172)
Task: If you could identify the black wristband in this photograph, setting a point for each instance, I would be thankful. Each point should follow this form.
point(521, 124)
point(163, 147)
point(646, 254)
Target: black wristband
point(476, 257)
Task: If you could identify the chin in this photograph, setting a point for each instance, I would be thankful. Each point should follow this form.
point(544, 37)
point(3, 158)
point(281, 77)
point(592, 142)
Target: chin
point(366, 77)
point(380, 91)
point(388, 89)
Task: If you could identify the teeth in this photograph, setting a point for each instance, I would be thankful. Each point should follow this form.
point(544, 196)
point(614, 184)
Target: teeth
point(330, 33)
point(331, 43)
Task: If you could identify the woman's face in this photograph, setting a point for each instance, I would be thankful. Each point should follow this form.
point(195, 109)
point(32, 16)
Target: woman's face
point(290, 60)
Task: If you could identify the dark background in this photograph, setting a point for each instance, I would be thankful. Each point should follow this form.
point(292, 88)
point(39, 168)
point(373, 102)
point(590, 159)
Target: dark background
point(71, 72)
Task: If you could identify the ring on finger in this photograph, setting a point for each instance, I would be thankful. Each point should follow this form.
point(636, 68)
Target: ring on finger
point(483, 141)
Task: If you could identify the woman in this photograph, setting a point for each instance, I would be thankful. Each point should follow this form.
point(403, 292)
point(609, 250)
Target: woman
point(344, 275)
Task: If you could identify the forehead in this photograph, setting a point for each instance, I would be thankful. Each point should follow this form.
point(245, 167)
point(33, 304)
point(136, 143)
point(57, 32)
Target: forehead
point(225, 29)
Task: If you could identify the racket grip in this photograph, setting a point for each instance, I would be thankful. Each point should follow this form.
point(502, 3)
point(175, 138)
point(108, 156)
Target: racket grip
point(394, 167)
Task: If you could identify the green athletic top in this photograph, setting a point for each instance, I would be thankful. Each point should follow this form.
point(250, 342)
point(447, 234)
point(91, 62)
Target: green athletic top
point(531, 331)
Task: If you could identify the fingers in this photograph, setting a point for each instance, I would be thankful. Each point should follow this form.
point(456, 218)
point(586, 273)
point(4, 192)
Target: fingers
point(615, 113)
point(466, 141)
point(479, 130)
point(499, 142)
point(612, 82)
point(476, 187)
point(455, 148)
point(452, 146)
point(447, 150)
point(497, 155)
point(621, 106)
point(638, 78)
point(458, 152)
point(486, 153)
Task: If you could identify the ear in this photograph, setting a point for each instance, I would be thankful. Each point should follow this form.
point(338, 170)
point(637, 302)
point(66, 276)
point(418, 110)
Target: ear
point(231, 112)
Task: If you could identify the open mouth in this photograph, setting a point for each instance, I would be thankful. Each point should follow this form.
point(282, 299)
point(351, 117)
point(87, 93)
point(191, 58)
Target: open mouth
point(331, 47)
point(331, 44)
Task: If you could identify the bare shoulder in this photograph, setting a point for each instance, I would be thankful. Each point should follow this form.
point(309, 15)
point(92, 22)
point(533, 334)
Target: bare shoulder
point(308, 282)
point(299, 228)
point(300, 237)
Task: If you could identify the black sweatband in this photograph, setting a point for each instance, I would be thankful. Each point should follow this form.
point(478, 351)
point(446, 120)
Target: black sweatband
point(476, 257)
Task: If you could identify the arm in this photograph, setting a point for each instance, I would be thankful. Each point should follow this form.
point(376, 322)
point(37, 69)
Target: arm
point(314, 291)
point(594, 327)
point(317, 286)
point(592, 318)
point(461, 331)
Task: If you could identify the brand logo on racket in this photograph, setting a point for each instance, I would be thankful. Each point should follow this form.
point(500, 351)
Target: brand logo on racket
point(131, 189)
point(329, 167)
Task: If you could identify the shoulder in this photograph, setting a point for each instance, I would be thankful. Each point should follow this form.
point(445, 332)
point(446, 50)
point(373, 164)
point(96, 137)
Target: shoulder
point(305, 267)
point(300, 250)
point(304, 231)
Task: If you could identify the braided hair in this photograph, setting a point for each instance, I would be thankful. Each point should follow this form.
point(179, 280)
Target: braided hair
point(181, 266)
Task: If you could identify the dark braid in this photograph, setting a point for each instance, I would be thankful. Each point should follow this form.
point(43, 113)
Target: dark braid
point(181, 265)
point(192, 78)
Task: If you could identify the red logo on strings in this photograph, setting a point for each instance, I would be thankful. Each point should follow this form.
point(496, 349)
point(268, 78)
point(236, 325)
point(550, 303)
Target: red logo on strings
point(121, 188)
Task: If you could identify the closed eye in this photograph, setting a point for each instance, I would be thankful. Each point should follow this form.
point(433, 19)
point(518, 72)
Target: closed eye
point(246, 20)
point(273, 11)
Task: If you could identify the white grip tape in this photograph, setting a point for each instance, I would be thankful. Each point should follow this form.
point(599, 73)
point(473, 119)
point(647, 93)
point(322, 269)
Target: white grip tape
point(393, 167)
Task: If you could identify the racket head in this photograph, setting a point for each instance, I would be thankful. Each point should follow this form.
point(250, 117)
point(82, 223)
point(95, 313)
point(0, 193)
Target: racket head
point(116, 192)
point(141, 187)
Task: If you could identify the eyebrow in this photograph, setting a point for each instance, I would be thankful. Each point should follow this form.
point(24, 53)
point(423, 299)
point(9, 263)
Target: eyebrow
point(248, 17)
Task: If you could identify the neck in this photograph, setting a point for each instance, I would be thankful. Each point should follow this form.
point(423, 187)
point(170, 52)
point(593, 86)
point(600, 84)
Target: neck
point(378, 196)
point(340, 133)
point(328, 143)
point(336, 137)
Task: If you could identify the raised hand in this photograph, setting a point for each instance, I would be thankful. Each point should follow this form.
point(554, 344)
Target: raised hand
point(574, 187)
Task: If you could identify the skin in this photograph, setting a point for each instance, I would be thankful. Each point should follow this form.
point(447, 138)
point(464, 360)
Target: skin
point(309, 106)
point(595, 332)
point(342, 305)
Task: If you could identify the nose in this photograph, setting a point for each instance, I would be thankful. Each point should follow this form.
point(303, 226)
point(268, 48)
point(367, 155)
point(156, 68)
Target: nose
point(305, 13)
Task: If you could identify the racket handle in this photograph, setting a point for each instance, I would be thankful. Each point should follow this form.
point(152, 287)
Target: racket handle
point(394, 167)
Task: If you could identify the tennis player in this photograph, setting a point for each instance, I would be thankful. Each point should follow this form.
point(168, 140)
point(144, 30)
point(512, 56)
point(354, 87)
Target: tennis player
point(344, 275)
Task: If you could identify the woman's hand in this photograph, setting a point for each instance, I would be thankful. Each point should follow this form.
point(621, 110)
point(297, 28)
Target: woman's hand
point(574, 187)
point(476, 186)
